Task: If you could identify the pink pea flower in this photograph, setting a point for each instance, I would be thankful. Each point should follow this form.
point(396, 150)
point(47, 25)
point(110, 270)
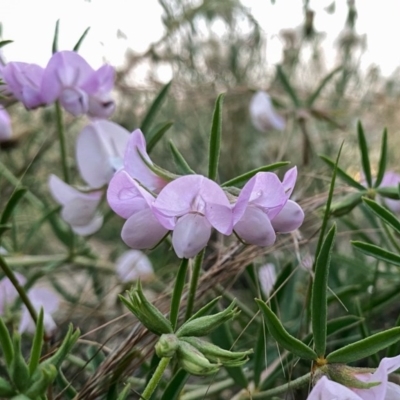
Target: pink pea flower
point(80, 90)
point(5, 126)
point(267, 278)
point(23, 81)
point(8, 293)
point(135, 166)
point(40, 298)
point(191, 206)
point(100, 149)
point(79, 209)
point(262, 113)
point(128, 199)
point(133, 265)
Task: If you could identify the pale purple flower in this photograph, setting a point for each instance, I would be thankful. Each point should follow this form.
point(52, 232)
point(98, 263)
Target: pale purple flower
point(191, 206)
point(79, 209)
point(40, 298)
point(267, 278)
point(129, 200)
point(262, 113)
point(133, 265)
point(100, 148)
point(80, 89)
point(23, 81)
point(5, 125)
point(326, 389)
point(263, 208)
point(135, 166)
point(8, 293)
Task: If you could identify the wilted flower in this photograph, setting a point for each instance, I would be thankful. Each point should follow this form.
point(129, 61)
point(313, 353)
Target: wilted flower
point(80, 89)
point(8, 293)
point(267, 278)
point(133, 265)
point(262, 113)
point(100, 149)
point(191, 206)
point(40, 298)
point(79, 209)
point(5, 126)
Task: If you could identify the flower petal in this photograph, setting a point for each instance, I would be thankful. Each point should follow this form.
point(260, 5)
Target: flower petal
point(220, 217)
point(91, 227)
point(289, 180)
point(267, 278)
point(5, 125)
point(289, 219)
point(133, 265)
point(75, 101)
point(326, 389)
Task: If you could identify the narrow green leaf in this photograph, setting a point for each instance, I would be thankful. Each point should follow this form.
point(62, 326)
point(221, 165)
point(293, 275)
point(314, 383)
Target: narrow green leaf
point(319, 303)
point(281, 286)
point(383, 213)
point(287, 86)
point(314, 96)
point(81, 39)
point(282, 336)
point(175, 385)
point(177, 294)
point(389, 192)
point(156, 134)
point(161, 172)
point(37, 344)
point(242, 179)
point(55, 38)
point(5, 43)
point(393, 350)
point(215, 139)
point(260, 354)
point(204, 310)
point(343, 175)
point(125, 392)
point(155, 106)
point(346, 204)
point(382, 160)
point(6, 343)
point(377, 252)
point(366, 347)
point(4, 228)
point(180, 162)
point(11, 204)
point(362, 142)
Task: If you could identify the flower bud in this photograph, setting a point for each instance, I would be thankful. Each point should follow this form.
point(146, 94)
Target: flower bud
point(167, 345)
point(204, 325)
point(193, 361)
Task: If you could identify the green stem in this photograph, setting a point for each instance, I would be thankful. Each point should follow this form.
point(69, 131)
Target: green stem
point(25, 299)
point(198, 261)
point(155, 379)
point(61, 138)
point(177, 294)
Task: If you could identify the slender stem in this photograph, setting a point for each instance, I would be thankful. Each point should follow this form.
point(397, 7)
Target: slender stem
point(177, 294)
point(198, 261)
point(25, 299)
point(306, 141)
point(155, 379)
point(61, 138)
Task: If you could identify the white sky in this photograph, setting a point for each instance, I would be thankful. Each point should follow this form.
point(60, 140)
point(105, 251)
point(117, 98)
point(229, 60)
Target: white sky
point(30, 23)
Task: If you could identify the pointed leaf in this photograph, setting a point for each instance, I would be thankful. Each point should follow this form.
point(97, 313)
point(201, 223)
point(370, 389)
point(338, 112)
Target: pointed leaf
point(314, 96)
point(11, 204)
point(55, 38)
point(242, 179)
point(37, 344)
point(156, 134)
point(383, 213)
point(180, 162)
point(177, 293)
point(343, 175)
point(389, 192)
point(366, 347)
point(260, 355)
point(204, 310)
point(362, 142)
point(287, 86)
point(6, 343)
point(125, 392)
point(5, 43)
point(175, 385)
point(81, 39)
point(282, 336)
point(215, 139)
point(382, 160)
point(377, 252)
point(155, 106)
point(319, 303)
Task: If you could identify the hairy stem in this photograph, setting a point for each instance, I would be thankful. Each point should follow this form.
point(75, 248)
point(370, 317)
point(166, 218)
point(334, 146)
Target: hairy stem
point(155, 379)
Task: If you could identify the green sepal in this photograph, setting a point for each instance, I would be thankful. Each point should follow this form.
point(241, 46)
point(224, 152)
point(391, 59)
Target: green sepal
point(366, 347)
point(167, 345)
point(6, 389)
point(202, 326)
point(19, 371)
point(47, 374)
point(145, 312)
point(282, 336)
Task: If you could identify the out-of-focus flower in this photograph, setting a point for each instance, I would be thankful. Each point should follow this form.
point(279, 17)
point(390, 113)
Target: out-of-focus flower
point(391, 179)
point(129, 200)
point(100, 149)
point(263, 208)
point(191, 206)
point(23, 81)
point(79, 209)
point(80, 89)
point(262, 113)
point(267, 278)
point(330, 390)
point(133, 265)
point(5, 126)
point(40, 298)
point(8, 293)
